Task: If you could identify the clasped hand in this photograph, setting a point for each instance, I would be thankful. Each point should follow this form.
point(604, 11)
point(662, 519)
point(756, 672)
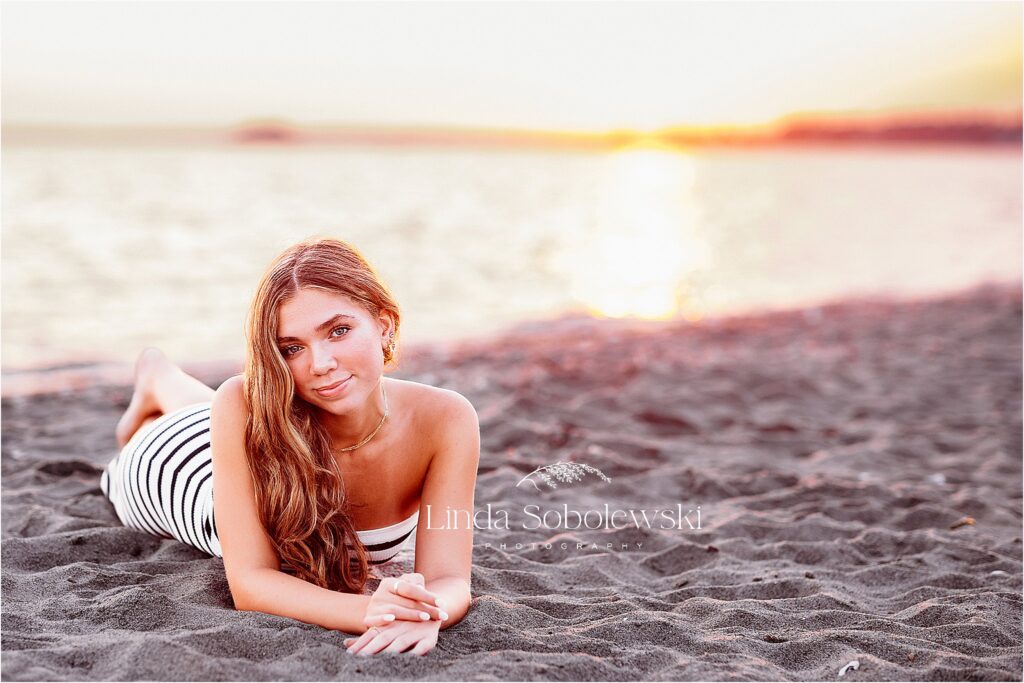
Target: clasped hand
point(402, 614)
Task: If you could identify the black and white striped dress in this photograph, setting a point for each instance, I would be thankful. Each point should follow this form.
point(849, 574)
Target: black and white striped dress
point(162, 483)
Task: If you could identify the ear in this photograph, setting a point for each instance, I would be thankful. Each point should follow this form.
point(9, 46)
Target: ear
point(387, 327)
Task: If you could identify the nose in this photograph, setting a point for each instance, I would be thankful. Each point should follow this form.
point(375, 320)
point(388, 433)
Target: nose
point(323, 362)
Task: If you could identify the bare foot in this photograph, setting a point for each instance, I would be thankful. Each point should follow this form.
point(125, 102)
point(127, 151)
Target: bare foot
point(143, 404)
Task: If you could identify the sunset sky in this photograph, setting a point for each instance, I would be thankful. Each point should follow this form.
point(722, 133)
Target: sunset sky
point(569, 66)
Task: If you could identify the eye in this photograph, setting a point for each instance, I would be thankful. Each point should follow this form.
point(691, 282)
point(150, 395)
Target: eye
point(335, 331)
point(290, 350)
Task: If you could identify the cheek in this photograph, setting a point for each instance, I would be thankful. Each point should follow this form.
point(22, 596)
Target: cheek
point(369, 348)
point(373, 357)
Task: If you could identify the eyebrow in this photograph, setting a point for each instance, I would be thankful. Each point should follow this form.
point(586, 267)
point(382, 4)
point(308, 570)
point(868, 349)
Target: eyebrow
point(321, 327)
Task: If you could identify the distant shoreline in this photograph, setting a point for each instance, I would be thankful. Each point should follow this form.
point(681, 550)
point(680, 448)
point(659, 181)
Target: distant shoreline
point(77, 375)
point(975, 129)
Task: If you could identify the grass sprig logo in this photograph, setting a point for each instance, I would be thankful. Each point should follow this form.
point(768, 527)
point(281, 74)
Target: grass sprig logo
point(564, 472)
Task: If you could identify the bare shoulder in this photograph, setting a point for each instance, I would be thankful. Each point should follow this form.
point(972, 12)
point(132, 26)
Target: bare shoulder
point(429, 401)
point(229, 399)
point(438, 411)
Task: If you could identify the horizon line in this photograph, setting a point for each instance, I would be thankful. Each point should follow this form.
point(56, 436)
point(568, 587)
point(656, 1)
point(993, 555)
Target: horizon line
point(971, 126)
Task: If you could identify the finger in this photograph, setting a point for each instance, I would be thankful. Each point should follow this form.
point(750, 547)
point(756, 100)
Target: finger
point(362, 640)
point(414, 592)
point(385, 604)
point(359, 642)
point(382, 619)
point(432, 612)
point(376, 645)
point(348, 641)
point(399, 601)
point(418, 613)
point(424, 646)
point(399, 644)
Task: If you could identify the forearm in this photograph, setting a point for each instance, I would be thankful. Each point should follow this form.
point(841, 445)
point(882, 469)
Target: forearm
point(275, 592)
point(454, 591)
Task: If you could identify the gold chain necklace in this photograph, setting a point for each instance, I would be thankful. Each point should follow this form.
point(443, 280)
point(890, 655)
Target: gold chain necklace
point(374, 432)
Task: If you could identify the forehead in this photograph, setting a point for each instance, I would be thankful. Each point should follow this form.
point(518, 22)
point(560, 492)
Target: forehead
point(308, 308)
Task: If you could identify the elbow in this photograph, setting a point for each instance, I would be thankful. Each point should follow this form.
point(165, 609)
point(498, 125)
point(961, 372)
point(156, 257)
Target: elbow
point(454, 620)
point(242, 594)
point(458, 616)
point(463, 603)
point(242, 602)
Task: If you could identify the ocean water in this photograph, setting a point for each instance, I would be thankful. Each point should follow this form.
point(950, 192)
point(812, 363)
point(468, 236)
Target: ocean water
point(109, 249)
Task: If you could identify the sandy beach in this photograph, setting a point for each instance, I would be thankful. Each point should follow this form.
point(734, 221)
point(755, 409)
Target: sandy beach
point(857, 468)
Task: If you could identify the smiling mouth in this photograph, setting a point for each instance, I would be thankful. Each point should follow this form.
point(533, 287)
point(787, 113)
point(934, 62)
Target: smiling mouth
point(331, 387)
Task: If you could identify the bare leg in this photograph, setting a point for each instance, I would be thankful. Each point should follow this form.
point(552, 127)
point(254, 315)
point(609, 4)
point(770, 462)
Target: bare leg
point(160, 387)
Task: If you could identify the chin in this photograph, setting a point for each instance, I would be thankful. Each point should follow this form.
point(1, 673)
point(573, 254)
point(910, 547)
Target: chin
point(334, 407)
point(338, 405)
point(317, 402)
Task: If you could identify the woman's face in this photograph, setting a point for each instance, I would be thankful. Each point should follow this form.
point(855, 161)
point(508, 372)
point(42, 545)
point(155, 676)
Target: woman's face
point(334, 348)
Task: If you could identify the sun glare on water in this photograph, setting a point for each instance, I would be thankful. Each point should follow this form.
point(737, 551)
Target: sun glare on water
point(646, 248)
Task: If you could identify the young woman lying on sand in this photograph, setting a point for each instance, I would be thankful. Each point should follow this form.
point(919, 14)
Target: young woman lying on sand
point(311, 462)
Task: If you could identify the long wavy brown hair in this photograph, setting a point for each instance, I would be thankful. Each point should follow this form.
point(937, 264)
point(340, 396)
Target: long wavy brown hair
point(299, 490)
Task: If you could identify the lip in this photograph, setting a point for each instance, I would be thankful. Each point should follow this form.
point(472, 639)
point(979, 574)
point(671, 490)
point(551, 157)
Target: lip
point(332, 390)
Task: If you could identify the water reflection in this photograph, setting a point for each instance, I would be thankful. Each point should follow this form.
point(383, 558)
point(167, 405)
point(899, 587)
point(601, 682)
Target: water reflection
point(646, 251)
point(133, 247)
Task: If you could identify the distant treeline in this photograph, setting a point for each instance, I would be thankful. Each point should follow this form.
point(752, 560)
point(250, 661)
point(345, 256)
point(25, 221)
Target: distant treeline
point(967, 132)
point(984, 132)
